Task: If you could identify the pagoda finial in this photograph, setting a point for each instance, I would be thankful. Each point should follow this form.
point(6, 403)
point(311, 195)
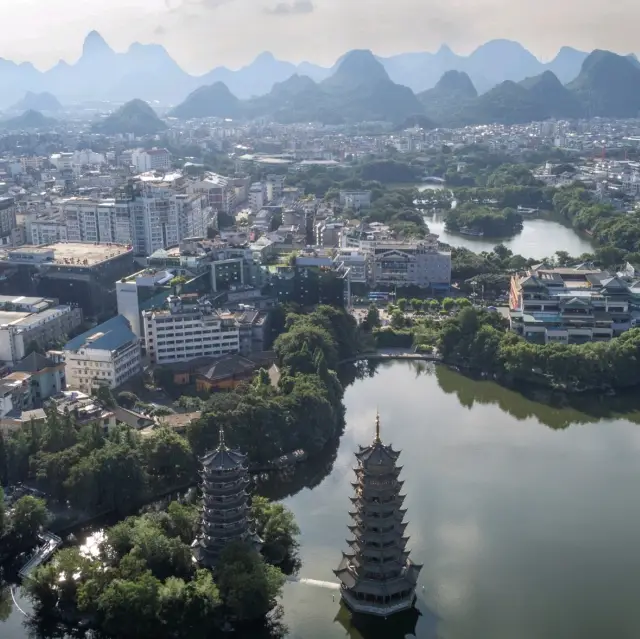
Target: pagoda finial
point(221, 445)
point(377, 439)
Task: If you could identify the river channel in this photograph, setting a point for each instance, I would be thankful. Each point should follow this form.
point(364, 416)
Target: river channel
point(525, 513)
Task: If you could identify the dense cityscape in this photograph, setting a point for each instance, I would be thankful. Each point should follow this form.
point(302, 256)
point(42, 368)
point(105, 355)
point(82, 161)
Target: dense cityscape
point(216, 300)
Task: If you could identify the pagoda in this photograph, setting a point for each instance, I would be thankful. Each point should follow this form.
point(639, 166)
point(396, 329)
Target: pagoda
point(225, 507)
point(377, 577)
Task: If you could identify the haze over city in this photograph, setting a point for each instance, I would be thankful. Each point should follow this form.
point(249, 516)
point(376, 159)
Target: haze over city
point(202, 33)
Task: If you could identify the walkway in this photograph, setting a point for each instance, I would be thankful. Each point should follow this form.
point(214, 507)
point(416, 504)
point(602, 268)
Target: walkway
point(50, 544)
point(391, 354)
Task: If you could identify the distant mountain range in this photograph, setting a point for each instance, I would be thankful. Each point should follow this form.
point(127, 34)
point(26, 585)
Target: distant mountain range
point(361, 89)
point(148, 72)
point(29, 120)
point(37, 102)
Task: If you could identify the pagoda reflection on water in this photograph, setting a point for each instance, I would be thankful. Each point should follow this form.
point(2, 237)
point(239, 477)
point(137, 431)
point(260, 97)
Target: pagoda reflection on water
point(377, 577)
point(225, 508)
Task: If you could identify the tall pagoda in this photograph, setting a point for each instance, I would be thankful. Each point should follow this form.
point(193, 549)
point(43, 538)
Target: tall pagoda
point(377, 577)
point(225, 507)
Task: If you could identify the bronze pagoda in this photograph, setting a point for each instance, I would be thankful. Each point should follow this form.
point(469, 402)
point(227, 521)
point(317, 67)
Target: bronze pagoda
point(377, 577)
point(225, 504)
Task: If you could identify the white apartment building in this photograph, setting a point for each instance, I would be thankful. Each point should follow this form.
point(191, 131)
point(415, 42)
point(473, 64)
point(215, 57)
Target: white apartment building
point(32, 319)
point(62, 161)
point(97, 221)
point(151, 160)
point(194, 215)
point(354, 261)
point(275, 184)
point(108, 355)
point(257, 196)
point(190, 328)
point(219, 190)
point(87, 157)
point(45, 230)
point(156, 219)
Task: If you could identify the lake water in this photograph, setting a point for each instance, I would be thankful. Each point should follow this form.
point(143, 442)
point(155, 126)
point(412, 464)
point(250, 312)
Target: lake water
point(524, 514)
point(539, 238)
point(525, 532)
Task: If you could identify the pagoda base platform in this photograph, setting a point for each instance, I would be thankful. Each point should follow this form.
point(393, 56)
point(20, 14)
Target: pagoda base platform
point(379, 610)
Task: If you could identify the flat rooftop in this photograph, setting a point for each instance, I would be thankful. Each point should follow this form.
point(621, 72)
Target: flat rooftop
point(71, 253)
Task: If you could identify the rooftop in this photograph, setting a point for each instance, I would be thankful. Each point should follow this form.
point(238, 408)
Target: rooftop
point(69, 253)
point(109, 336)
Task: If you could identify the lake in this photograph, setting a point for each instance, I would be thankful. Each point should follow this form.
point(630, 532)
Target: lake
point(540, 237)
point(525, 531)
point(524, 513)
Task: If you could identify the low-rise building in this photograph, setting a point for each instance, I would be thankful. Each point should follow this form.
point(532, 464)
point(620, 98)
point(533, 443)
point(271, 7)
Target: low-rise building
point(28, 320)
point(398, 264)
point(107, 355)
point(84, 408)
point(47, 374)
point(355, 199)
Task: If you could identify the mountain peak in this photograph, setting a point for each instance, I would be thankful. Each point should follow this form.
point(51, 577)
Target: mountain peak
point(359, 67)
point(457, 82)
point(95, 44)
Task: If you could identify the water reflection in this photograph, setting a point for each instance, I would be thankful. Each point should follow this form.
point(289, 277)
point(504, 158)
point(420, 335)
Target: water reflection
point(553, 409)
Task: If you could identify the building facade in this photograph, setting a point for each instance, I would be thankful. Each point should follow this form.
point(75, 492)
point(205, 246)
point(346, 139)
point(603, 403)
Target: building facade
point(107, 355)
point(189, 328)
point(151, 160)
point(422, 264)
point(28, 320)
point(569, 305)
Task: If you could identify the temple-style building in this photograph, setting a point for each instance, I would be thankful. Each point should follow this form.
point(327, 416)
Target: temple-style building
point(225, 507)
point(377, 577)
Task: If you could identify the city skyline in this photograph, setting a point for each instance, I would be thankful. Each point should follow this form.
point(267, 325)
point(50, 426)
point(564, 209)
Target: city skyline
point(201, 34)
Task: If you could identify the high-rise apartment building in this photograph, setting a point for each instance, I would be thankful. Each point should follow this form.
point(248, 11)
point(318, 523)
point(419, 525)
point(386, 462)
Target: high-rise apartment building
point(219, 190)
point(98, 221)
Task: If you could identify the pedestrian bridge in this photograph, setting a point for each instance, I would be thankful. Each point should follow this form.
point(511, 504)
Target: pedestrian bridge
point(50, 543)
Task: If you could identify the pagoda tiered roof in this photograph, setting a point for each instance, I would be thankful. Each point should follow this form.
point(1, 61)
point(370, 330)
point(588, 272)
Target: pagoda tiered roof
point(225, 511)
point(377, 577)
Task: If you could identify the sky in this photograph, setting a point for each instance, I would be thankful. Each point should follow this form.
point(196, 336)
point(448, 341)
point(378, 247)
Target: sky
point(202, 34)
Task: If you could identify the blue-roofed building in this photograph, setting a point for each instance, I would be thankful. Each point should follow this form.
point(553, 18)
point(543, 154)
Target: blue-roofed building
point(107, 355)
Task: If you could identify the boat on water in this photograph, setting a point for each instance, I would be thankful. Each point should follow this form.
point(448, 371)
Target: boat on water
point(465, 230)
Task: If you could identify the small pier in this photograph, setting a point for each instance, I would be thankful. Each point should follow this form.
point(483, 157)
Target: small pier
point(50, 543)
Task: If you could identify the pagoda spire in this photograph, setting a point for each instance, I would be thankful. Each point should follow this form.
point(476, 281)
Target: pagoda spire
point(377, 577)
point(221, 443)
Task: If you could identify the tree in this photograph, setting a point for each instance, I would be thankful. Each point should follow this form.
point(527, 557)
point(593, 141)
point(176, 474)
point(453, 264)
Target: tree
point(434, 306)
point(277, 527)
point(248, 586)
point(105, 396)
point(463, 302)
point(127, 399)
point(397, 319)
point(402, 304)
point(28, 516)
point(448, 303)
point(372, 320)
point(167, 457)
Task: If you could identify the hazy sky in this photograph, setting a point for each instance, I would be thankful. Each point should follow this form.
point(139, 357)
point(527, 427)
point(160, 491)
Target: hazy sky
point(201, 34)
